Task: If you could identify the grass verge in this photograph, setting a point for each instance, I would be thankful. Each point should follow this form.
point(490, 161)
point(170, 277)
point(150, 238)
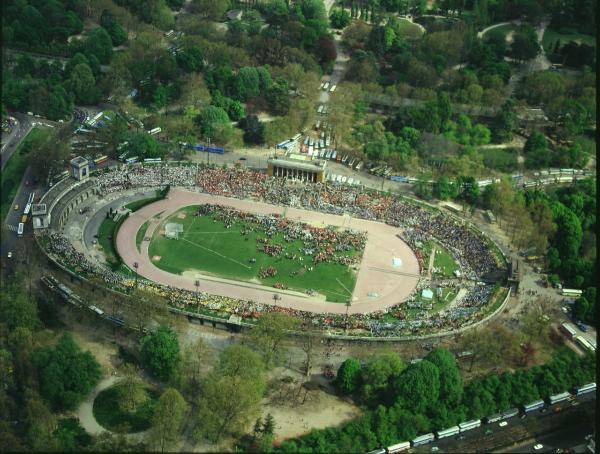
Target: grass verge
point(551, 36)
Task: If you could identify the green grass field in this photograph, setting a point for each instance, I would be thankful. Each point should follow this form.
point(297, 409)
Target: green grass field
point(110, 415)
point(409, 30)
point(444, 262)
point(15, 168)
point(551, 36)
point(206, 245)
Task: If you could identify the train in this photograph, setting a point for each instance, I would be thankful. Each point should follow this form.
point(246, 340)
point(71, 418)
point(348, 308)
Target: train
point(497, 417)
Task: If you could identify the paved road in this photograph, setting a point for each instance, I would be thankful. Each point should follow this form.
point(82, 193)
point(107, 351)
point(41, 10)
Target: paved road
point(12, 140)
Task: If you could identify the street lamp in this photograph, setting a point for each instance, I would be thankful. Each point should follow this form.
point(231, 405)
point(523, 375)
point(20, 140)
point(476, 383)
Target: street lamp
point(135, 266)
point(275, 298)
point(197, 284)
point(348, 304)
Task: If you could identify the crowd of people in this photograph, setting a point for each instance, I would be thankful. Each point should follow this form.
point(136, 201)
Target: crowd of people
point(319, 243)
point(143, 176)
point(419, 223)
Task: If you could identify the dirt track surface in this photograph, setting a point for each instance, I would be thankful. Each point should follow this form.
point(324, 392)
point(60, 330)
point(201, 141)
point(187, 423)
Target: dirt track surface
point(376, 276)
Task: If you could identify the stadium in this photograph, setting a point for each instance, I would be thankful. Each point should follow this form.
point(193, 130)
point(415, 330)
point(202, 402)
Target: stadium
point(223, 242)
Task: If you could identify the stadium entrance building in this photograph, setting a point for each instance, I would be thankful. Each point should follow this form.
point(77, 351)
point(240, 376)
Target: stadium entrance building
point(298, 167)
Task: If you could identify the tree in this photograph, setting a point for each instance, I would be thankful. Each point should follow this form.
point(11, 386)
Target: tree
point(209, 118)
point(451, 383)
point(339, 18)
point(210, 9)
point(159, 352)
point(525, 44)
point(254, 130)
point(268, 336)
point(66, 374)
point(131, 388)
point(190, 368)
point(377, 374)
point(99, 43)
point(226, 405)
point(442, 189)
point(239, 361)
point(82, 84)
point(246, 83)
point(417, 389)
point(18, 310)
point(41, 424)
point(145, 146)
point(167, 419)
point(190, 59)
point(503, 123)
point(59, 105)
point(348, 376)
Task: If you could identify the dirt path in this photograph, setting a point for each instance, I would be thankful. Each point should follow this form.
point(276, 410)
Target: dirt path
point(378, 285)
point(85, 411)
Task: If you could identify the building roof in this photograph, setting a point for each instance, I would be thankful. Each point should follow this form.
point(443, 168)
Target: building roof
point(78, 161)
point(427, 294)
point(235, 14)
point(292, 162)
point(38, 209)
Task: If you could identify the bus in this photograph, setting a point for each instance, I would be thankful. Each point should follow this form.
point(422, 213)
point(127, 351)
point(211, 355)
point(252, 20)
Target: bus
point(122, 156)
point(469, 425)
point(571, 292)
point(20, 229)
point(282, 144)
point(423, 440)
point(447, 432)
point(589, 388)
point(93, 121)
point(569, 330)
point(31, 197)
point(510, 413)
point(100, 160)
point(535, 405)
point(96, 310)
point(377, 451)
point(154, 131)
point(582, 341)
point(152, 160)
point(27, 209)
point(494, 418)
point(398, 447)
point(132, 160)
point(556, 398)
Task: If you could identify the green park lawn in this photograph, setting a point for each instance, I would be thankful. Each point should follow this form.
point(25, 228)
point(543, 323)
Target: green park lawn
point(409, 30)
point(551, 36)
point(110, 414)
point(15, 168)
point(206, 245)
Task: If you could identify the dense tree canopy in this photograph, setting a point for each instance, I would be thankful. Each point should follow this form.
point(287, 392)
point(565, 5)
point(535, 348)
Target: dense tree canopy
point(66, 373)
point(159, 352)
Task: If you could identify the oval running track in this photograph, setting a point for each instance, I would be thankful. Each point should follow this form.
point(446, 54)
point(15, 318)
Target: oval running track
point(379, 284)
